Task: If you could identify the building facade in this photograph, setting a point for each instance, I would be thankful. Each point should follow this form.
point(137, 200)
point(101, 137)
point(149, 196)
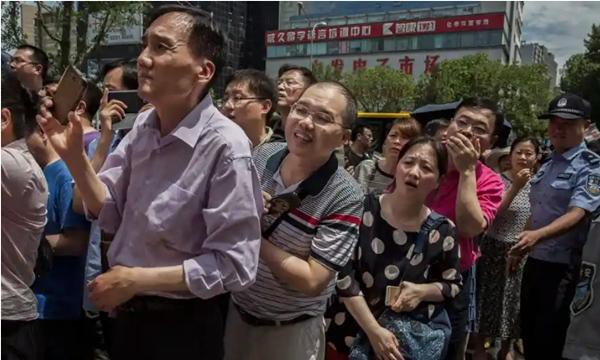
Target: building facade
point(410, 36)
point(534, 53)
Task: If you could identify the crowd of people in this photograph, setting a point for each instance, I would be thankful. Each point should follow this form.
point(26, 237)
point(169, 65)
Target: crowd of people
point(268, 228)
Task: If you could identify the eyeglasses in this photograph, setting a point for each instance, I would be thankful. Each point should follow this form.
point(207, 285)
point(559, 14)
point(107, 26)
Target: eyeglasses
point(288, 82)
point(236, 100)
point(318, 118)
point(478, 130)
point(21, 62)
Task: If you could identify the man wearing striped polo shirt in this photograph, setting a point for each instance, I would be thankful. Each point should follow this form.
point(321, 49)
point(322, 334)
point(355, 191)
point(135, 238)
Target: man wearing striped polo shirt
point(314, 209)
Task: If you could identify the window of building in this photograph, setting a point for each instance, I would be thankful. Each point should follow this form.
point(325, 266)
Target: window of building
point(354, 46)
point(390, 45)
point(467, 39)
point(333, 47)
point(374, 45)
point(425, 42)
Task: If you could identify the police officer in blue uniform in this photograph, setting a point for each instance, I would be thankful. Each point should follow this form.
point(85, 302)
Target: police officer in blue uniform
point(564, 192)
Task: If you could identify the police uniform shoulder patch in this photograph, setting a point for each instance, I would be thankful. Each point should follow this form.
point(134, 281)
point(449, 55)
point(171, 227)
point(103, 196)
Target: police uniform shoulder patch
point(590, 157)
point(584, 293)
point(592, 184)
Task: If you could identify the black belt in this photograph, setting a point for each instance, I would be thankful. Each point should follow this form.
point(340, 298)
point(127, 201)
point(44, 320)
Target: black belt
point(254, 321)
point(141, 304)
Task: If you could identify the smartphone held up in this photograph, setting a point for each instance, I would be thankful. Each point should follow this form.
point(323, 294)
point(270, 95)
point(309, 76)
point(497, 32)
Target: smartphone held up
point(69, 92)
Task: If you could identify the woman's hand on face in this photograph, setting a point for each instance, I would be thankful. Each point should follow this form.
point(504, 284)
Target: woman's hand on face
point(384, 344)
point(521, 178)
point(410, 297)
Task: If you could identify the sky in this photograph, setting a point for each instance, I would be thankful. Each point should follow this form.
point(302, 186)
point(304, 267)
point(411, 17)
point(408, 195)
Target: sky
point(561, 26)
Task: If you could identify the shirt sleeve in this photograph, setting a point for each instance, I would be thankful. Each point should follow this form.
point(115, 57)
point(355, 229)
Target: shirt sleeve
point(347, 284)
point(232, 217)
point(115, 175)
point(337, 234)
point(446, 269)
point(68, 217)
point(489, 193)
point(362, 172)
point(586, 194)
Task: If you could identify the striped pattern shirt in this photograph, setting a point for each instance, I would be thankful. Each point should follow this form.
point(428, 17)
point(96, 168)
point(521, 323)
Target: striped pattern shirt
point(324, 227)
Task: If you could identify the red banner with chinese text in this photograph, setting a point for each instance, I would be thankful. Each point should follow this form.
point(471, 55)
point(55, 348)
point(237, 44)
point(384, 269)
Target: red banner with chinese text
point(491, 21)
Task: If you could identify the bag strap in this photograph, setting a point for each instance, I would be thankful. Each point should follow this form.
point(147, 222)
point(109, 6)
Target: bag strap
point(312, 185)
point(433, 221)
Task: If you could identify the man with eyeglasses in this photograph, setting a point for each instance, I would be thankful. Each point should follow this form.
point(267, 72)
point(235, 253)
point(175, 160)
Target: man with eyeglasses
point(470, 195)
point(30, 64)
point(291, 83)
point(249, 100)
point(314, 209)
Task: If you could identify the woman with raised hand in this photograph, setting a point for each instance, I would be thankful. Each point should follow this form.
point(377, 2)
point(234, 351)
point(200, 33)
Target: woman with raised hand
point(499, 280)
point(405, 247)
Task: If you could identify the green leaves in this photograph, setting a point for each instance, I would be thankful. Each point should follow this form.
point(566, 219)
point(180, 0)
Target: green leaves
point(581, 74)
point(523, 91)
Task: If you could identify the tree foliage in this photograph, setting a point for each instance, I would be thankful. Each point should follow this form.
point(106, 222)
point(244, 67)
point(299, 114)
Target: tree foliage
point(581, 73)
point(522, 91)
point(326, 72)
point(60, 20)
point(381, 89)
point(12, 34)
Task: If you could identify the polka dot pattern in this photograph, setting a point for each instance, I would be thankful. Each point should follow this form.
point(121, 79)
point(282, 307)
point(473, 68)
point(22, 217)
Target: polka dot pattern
point(367, 219)
point(434, 236)
point(391, 272)
point(377, 246)
point(348, 340)
point(448, 243)
point(449, 274)
point(339, 318)
point(399, 237)
point(344, 283)
point(416, 260)
point(368, 279)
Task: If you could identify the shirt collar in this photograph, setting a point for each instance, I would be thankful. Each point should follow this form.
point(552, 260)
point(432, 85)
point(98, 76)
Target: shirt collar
point(571, 153)
point(190, 127)
point(267, 136)
point(19, 144)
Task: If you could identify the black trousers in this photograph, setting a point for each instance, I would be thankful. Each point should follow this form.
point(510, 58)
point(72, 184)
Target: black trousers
point(546, 293)
point(149, 327)
point(22, 340)
point(458, 312)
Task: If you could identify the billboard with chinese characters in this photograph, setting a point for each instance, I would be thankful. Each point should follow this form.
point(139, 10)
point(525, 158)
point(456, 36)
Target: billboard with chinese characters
point(479, 22)
point(414, 63)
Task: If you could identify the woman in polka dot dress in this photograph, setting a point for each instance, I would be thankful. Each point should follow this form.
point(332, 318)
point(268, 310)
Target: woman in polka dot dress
point(390, 227)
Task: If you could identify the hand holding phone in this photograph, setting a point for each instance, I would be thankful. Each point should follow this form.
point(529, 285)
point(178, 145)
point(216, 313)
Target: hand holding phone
point(128, 97)
point(69, 92)
point(283, 203)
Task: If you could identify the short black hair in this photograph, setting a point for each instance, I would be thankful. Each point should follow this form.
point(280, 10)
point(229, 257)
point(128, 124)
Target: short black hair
point(358, 130)
point(306, 73)
point(433, 126)
point(38, 56)
point(129, 67)
point(92, 97)
point(206, 39)
point(349, 113)
point(484, 103)
point(22, 105)
point(259, 84)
